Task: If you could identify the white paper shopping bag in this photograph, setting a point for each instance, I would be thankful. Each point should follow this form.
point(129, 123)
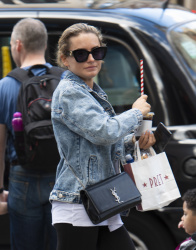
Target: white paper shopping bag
point(155, 180)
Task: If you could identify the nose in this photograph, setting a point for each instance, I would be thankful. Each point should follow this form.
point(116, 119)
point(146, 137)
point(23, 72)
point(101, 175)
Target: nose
point(90, 57)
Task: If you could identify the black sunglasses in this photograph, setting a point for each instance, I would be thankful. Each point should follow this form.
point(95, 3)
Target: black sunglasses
point(81, 55)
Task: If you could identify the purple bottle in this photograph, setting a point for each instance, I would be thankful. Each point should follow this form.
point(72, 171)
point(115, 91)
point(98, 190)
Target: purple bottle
point(17, 122)
point(18, 128)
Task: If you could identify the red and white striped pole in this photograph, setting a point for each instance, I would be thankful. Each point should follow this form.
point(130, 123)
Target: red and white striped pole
point(141, 77)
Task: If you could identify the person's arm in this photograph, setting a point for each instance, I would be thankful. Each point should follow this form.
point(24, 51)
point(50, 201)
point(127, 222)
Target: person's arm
point(4, 194)
point(83, 115)
point(3, 208)
point(3, 139)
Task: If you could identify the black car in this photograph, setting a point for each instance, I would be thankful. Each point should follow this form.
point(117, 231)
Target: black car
point(165, 38)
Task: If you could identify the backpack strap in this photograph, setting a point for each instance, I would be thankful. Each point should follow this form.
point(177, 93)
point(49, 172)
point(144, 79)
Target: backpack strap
point(56, 71)
point(19, 74)
point(23, 75)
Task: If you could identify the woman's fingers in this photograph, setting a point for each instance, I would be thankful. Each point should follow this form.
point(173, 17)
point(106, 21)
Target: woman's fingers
point(147, 140)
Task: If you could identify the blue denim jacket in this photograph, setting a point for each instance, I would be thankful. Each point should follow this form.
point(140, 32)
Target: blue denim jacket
point(89, 135)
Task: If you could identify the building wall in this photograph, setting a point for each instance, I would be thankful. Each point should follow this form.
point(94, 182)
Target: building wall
point(190, 4)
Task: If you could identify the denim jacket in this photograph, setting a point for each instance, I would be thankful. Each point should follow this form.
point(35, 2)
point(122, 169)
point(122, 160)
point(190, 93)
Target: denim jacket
point(89, 135)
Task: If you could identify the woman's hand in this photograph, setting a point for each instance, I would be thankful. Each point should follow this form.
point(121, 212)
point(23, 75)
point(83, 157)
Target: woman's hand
point(142, 105)
point(147, 140)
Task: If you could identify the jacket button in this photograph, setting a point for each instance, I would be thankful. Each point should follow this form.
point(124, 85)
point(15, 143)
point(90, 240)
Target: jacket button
point(60, 195)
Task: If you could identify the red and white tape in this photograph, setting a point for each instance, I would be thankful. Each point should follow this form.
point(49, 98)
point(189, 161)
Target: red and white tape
point(141, 77)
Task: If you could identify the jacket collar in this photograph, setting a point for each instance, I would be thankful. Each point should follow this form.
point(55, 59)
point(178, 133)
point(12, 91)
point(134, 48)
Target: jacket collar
point(96, 89)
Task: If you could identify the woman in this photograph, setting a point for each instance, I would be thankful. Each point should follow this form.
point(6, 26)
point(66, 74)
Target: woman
point(91, 141)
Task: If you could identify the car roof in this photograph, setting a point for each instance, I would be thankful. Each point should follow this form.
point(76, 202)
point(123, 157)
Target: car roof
point(166, 18)
point(146, 10)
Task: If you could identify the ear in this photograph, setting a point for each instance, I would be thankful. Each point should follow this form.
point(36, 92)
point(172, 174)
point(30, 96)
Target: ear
point(19, 45)
point(65, 61)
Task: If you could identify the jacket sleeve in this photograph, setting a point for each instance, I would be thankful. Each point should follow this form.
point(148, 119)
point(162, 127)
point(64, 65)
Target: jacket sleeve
point(128, 144)
point(83, 114)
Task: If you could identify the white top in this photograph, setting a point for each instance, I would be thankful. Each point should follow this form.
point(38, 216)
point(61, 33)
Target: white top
point(76, 215)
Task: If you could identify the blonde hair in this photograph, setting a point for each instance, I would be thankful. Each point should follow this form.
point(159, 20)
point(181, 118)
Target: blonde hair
point(74, 30)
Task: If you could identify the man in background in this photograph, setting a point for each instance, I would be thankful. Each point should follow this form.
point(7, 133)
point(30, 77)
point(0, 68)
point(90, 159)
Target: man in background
point(28, 199)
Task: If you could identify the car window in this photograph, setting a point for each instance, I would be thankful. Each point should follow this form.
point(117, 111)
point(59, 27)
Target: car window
point(184, 40)
point(118, 76)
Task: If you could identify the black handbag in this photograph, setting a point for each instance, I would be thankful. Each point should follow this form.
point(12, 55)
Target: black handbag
point(110, 197)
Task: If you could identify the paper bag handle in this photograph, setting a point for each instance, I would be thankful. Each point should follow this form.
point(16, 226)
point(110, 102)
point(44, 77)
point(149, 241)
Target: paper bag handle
point(137, 150)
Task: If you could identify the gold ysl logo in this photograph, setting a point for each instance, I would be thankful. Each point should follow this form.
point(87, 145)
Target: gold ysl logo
point(114, 193)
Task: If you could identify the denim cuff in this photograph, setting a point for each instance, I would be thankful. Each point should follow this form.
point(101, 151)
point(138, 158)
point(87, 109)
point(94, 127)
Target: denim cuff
point(139, 115)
